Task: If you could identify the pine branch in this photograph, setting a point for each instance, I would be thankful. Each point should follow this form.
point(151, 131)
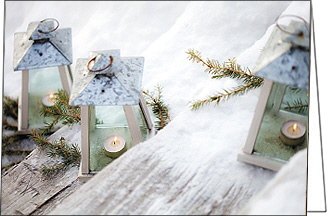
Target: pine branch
point(240, 90)
point(10, 107)
point(297, 106)
point(61, 111)
point(69, 155)
point(8, 126)
point(39, 139)
point(229, 69)
point(159, 108)
point(50, 171)
point(15, 151)
point(11, 139)
point(294, 89)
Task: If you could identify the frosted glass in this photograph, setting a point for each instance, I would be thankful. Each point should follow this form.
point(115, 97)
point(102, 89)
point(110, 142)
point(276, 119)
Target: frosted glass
point(268, 142)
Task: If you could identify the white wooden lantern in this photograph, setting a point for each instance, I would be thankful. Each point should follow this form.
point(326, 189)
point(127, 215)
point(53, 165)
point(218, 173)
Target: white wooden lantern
point(278, 130)
point(44, 55)
point(114, 116)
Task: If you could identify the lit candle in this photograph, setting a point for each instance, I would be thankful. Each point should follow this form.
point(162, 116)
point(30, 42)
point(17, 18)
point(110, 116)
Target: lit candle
point(48, 100)
point(114, 145)
point(292, 132)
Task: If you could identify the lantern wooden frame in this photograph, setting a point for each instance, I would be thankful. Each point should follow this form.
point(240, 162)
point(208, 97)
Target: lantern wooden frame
point(87, 115)
point(283, 63)
point(248, 153)
point(107, 80)
point(43, 46)
point(23, 102)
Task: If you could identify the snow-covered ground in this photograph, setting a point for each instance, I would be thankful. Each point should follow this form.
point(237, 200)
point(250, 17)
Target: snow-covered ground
point(162, 32)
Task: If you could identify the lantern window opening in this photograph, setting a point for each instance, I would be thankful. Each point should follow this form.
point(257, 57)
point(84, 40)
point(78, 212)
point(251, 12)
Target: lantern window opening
point(268, 142)
point(264, 146)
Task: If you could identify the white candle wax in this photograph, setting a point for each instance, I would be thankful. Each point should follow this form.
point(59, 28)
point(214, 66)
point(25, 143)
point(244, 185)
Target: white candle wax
point(48, 100)
point(293, 132)
point(114, 145)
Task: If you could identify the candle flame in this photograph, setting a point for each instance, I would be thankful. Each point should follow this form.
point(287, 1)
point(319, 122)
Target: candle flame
point(51, 96)
point(294, 127)
point(115, 139)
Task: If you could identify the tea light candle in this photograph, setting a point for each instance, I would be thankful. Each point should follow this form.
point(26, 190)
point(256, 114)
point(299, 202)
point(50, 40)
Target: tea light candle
point(292, 132)
point(48, 100)
point(114, 145)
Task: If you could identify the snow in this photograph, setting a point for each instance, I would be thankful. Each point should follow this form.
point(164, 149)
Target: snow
point(204, 142)
point(285, 182)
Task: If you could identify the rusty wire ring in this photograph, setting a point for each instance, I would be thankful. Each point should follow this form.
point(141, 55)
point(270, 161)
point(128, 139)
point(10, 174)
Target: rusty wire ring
point(292, 33)
point(49, 19)
point(93, 59)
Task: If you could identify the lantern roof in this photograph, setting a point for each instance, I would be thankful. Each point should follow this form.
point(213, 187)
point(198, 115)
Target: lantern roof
point(42, 45)
point(285, 56)
point(107, 79)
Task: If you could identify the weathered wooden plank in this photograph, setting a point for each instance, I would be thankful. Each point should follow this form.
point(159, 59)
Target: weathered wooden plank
point(169, 175)
point(55, 200)
point(24, 189)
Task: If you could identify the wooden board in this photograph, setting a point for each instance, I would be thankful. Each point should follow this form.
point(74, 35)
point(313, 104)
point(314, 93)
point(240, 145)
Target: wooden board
point(24, 189)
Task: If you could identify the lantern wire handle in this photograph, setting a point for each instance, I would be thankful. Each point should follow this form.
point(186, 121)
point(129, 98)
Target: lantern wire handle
point(49, 19)
point(292, 33)
point(93, 59)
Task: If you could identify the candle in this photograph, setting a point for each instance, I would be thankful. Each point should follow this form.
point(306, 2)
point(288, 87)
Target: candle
point(114, 145)
point(48, 100)
point(292, 132)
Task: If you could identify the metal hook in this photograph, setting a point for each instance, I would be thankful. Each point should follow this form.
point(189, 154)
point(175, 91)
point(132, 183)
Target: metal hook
point(292, 33)
point(49, 19)
point(93, 59)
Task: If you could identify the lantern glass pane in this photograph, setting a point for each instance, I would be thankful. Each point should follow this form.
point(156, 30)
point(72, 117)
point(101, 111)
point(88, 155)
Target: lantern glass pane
point(142, 123)
point(284, 103)
point(42, 83)
point(106, 121)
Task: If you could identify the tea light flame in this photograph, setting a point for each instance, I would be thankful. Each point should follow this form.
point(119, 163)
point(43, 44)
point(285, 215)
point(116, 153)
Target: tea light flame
point(49, 99)
point(115, 140)
point(51, 96)
point(294, 127)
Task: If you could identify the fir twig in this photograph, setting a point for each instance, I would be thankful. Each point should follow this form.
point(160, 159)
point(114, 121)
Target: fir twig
point(11, 139)
point(10, 107)
point(297, 106)
point(228, 69)
point(159, 108)
point(294, 89)
point(39, 139)
point(15, 151)
point(52, 170)
point(240, 90)
point(61, 111)
point(8, 126)
point(69, 154)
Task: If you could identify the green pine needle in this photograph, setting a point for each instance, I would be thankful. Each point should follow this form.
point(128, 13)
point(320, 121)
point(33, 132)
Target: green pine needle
point(61, 111)
point(159, 108)
point(69, 155)
point(298, 106)
point(228, 69)
point(10, 107)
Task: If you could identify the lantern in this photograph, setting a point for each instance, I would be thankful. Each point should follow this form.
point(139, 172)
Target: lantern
point(114, 116)
point(44, 55)
point(279, 127)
